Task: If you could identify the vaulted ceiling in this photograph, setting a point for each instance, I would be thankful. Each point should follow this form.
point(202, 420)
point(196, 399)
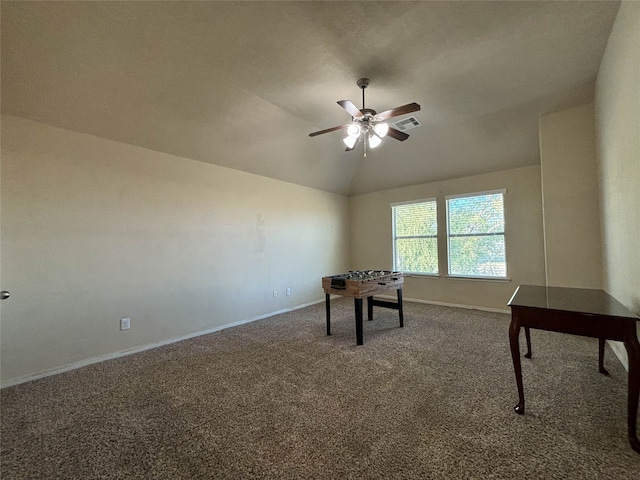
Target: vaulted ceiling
point(242, 84)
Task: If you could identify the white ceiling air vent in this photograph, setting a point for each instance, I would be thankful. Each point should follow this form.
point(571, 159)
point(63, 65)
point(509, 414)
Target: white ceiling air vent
point(406, 124)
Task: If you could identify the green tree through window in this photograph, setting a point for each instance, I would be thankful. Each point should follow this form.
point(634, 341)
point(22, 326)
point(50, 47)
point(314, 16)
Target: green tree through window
point(475, 235)
point(415, 237)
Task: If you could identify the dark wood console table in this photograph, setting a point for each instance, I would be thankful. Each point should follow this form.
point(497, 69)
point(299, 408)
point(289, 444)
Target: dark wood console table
point(578, 311)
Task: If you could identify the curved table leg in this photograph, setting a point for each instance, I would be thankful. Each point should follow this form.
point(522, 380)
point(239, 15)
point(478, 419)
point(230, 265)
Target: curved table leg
point(633, 352)
point(601, 368)
point(514, 333)
point(527, 335)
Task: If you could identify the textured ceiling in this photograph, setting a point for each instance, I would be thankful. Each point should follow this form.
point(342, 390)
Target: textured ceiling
point(242, 84)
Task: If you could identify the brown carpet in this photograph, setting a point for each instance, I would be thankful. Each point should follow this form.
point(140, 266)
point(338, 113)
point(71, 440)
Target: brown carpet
point(279, 399)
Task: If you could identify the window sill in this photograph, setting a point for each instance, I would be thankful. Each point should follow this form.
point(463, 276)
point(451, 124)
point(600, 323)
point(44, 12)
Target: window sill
point(421, 275)
point(457, 277)
point(480, 279)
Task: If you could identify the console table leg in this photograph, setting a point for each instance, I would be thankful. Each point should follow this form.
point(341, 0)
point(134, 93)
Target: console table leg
point(527, 335)
point(601, 357)
point(514, 333)
point(633, 352)
point(327, 301)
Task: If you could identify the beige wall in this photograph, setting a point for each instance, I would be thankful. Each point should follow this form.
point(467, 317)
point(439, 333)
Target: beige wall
point(371, 242)
point(617, 104)
point(94, 230)
point(617, 108)
point(570, 198)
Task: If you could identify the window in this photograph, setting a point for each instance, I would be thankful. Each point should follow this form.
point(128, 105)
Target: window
point(475, 235)
point(415, 237)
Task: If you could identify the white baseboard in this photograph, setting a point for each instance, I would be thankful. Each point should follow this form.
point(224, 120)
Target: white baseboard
point(445, 304)
point(123, 353)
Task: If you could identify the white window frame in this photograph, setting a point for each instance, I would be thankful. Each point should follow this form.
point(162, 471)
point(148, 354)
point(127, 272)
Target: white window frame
point(395, 237)
point(503, 192)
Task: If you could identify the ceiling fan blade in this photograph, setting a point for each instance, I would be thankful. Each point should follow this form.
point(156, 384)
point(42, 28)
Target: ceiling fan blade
point(350, 108)
point(332, 129)
point(394, 112)
point(397, 134)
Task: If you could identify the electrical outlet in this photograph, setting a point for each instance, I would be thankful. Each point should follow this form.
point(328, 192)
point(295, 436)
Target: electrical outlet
point(125, 323)
point(275, 294)
point(288, 292)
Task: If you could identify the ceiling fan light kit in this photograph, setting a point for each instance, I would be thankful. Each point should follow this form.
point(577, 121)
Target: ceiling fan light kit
point(350, 141)
point(381, 129)
point(367, 124)
point(353, 130)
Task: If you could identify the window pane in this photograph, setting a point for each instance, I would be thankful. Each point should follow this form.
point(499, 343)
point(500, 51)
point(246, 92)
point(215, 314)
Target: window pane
point(482, 256)
point(477, 214)
point(417, 255)
point(415, 219)
point(415, 243)
point(475, 234)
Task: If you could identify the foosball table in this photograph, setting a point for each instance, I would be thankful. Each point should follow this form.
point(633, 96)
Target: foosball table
point(361, 284)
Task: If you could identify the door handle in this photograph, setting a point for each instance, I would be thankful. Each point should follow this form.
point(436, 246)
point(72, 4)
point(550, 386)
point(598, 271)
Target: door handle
point(4, 295)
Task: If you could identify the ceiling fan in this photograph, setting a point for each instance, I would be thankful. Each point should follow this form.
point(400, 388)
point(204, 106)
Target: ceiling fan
point(367, 124)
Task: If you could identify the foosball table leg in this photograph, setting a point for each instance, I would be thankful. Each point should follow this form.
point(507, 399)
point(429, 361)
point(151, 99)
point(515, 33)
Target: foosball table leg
point(369, 308)
point(358, 307)
point(400, 308)
point(327, 301)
